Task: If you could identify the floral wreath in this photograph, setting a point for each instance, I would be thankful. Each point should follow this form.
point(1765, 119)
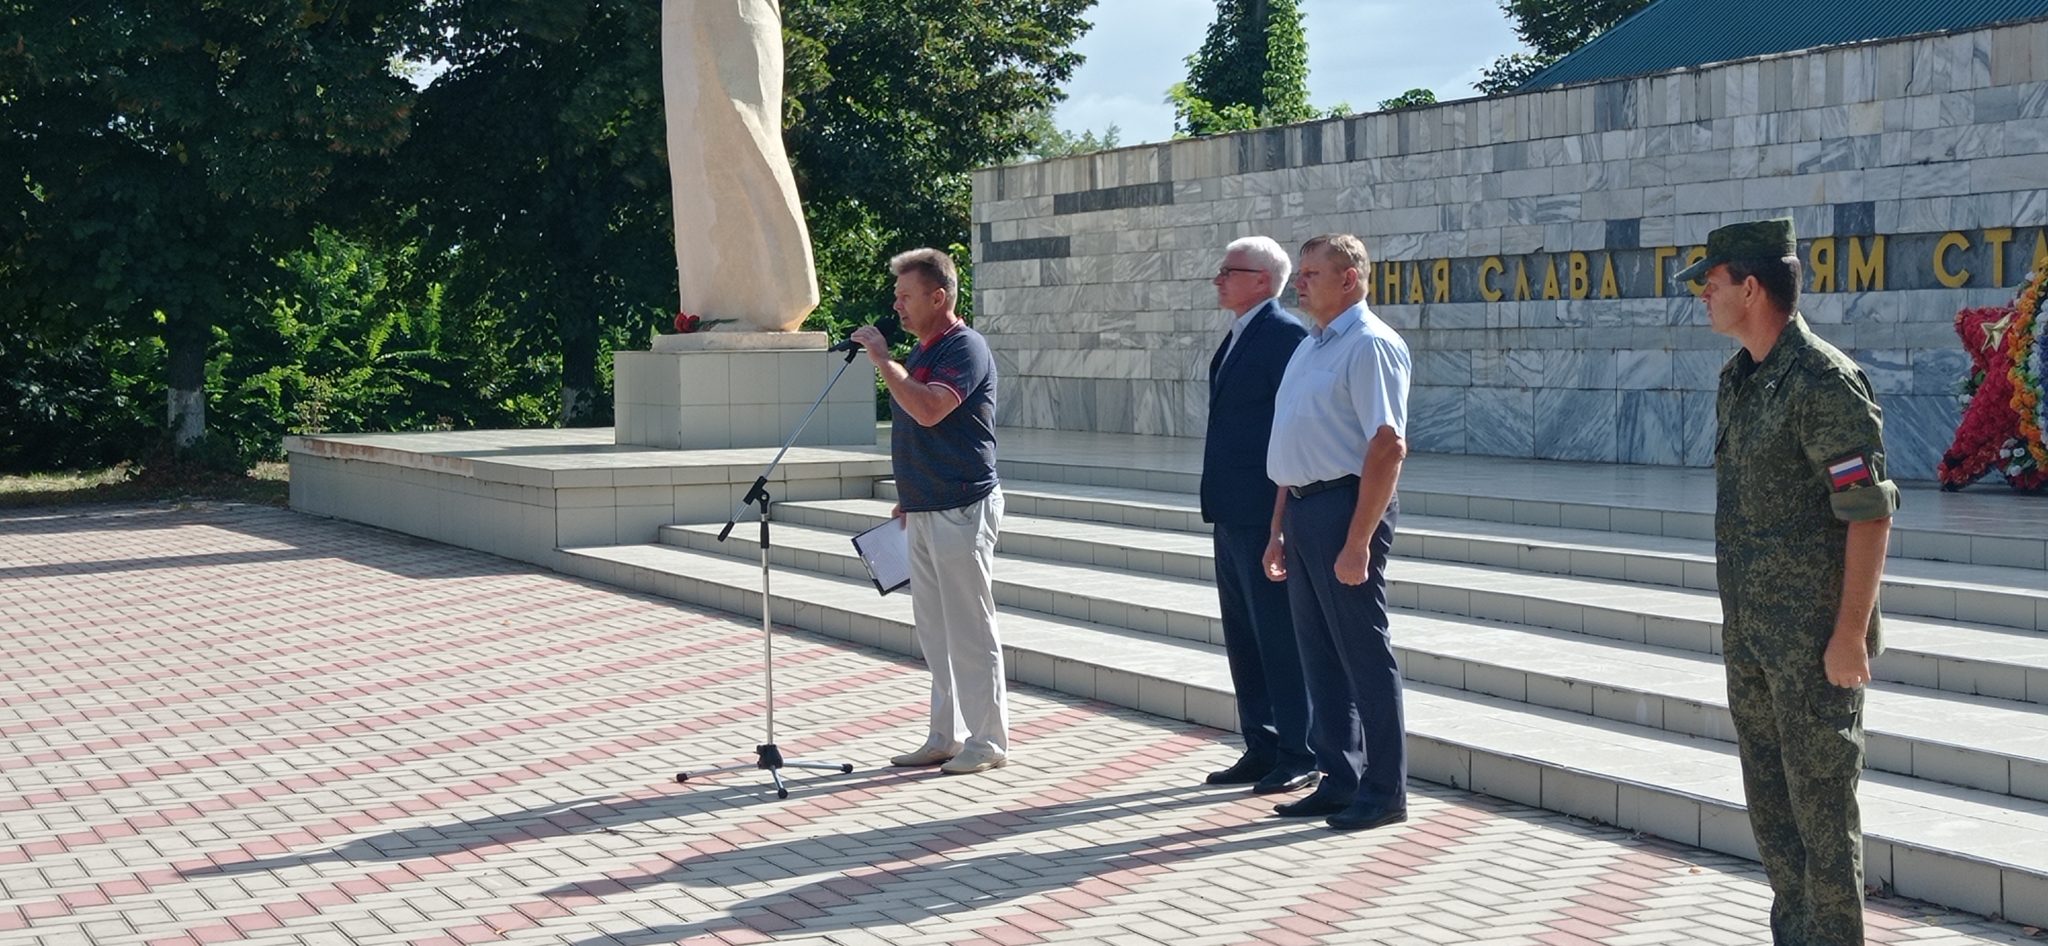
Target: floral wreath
point(2005, 408)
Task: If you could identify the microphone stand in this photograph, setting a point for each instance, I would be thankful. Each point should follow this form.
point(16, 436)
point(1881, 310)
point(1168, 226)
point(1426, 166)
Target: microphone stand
point(767, 755)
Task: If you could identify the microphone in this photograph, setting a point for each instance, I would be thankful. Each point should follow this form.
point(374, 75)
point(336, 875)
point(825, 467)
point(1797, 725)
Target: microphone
point(845, 345)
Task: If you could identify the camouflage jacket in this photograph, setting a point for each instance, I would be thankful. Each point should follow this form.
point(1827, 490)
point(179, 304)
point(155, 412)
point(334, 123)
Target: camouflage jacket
point(1798, 455)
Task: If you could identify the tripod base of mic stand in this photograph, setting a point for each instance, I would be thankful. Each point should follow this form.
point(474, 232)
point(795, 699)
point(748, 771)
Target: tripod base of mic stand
point(769, 757)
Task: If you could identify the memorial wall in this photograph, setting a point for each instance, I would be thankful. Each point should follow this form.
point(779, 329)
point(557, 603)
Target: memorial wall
point(1522, 245)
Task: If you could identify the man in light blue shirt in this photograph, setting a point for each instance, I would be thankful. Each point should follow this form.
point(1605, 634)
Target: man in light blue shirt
point(1337, 444)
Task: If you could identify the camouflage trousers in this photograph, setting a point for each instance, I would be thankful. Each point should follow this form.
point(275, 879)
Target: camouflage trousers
point(1801, 742)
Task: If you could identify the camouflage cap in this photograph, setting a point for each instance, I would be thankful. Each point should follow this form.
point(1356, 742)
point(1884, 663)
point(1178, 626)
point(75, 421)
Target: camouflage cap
point(1754, 240)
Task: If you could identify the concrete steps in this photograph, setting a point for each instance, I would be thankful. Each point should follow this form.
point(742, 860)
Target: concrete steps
point(1567, 662)
point(1979, 743)
point(2005, 662)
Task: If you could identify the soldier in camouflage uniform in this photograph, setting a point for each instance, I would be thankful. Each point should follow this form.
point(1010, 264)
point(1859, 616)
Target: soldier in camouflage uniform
point(1802, 515)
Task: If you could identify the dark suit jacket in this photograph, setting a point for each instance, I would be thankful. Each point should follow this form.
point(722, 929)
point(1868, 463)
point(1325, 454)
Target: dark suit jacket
point(1234, 484)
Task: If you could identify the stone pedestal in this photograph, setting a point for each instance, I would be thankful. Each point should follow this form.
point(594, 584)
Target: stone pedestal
point(710, 390)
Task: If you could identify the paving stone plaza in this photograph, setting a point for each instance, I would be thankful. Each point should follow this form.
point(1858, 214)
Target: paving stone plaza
point(243, 725)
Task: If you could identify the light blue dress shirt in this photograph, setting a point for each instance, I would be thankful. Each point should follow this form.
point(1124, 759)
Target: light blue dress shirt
point(1344, 383)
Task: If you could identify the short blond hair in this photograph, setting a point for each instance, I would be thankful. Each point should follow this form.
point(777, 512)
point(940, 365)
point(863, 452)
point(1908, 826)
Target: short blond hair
point(1342, 247)
point(933, 266)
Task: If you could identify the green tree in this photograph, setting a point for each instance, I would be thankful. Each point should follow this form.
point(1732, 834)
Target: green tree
point(159, 155)
point(1047, 140)
point(1508, 72)
point(1251, 71)
point(1412, 98)
point(1552, 29)
point(359, 335)
point(889, 105)
point(539, 172)
point(1556, 27)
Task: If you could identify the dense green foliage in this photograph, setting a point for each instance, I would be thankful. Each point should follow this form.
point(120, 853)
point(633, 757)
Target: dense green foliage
point(1509, 71)
point(1413, 98)
point(1553, 29)
point(1252, 71)
point(890, 105)
point(160, 155)
point(1045, 139)
point(248, 202)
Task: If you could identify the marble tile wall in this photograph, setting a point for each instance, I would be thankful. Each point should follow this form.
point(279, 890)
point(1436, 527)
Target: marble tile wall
point(1091, 275)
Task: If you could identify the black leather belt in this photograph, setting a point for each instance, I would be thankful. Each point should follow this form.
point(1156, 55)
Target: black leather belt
point(1304, 492)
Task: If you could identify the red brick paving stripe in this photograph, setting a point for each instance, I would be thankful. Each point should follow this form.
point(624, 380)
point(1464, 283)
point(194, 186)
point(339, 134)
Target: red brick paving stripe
point(401, 614)
point(187, 808)
point(1420, 842)
point(339, 892)
point(226, 753)
point(1604, 905)
point(347, 824)
point(284, 673)
point(175, 613)
point(786, 818)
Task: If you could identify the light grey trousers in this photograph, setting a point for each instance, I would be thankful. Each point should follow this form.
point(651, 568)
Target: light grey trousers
point(954, 606)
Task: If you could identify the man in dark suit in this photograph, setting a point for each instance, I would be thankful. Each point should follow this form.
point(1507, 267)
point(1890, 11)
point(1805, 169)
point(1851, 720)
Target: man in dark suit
point(1237, 498)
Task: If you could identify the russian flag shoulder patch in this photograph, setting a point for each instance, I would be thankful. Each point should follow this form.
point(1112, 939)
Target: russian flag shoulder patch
point(1849, 472)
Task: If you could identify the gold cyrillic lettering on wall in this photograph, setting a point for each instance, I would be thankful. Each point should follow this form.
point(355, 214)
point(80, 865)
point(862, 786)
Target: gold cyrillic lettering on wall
point(1996, 238)
point(1953, 259)
point(1951, 240)
point(1820, 260)
point(1489, 268)
point(1865, 272)
point(1657, 273)
point(1692, 256)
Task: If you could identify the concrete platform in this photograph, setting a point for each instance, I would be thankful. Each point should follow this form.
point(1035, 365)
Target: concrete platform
point(525, 493)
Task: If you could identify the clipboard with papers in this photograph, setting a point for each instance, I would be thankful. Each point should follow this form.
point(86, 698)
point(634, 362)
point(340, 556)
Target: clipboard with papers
point(885, 550)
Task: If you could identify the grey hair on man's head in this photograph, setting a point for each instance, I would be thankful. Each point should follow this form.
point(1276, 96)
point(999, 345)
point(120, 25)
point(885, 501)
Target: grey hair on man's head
point(1267, 254)
point(933, 266)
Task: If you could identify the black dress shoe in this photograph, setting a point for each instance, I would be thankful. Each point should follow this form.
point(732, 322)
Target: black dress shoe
point(1280, 781)
point(1245, 771)
point(1317, 804)
point(1365, 816)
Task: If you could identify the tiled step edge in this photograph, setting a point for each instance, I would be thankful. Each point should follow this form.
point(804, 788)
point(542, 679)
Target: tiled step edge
point(1587, 768)
point(2001, 663)
point(1670, 690)
point(2021, 602)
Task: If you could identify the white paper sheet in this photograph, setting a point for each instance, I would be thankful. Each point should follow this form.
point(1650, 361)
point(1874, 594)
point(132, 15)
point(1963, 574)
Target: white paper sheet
point(885, 550)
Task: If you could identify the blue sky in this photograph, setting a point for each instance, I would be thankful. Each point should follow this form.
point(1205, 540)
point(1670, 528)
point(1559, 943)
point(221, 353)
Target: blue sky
point(1359, 52)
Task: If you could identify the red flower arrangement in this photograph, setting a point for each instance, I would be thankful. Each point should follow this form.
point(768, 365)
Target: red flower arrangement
point(686, 323)
point(1988, 418)
point(2002, 414)
point(2027, 381)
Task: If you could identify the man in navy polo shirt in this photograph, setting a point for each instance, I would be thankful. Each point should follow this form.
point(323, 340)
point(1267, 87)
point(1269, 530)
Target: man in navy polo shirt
point(943, 447)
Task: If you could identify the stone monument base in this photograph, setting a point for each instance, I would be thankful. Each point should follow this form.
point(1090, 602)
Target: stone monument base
point(710, 390)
